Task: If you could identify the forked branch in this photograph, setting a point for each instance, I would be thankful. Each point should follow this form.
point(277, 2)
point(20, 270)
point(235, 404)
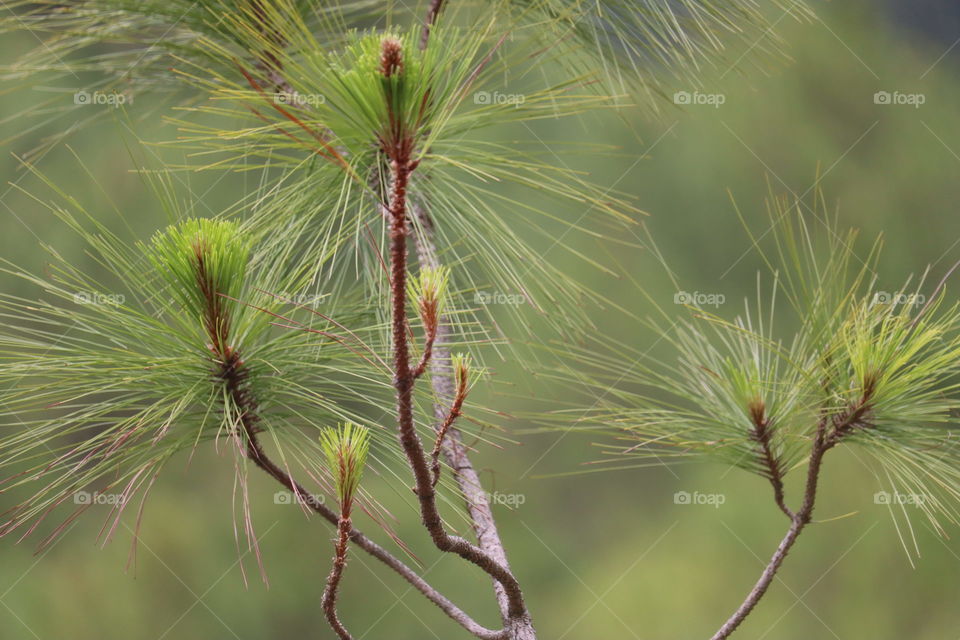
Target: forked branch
point(399, 150)
point(831, 430)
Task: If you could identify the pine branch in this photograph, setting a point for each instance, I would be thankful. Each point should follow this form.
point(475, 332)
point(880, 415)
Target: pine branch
point(829, 433)
point(455, 453)
point(260, 458)
point(397, 144)
point(763, 434)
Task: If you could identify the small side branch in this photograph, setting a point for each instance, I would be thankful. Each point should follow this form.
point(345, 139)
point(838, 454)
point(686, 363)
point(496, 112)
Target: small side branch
point(456, 410)
point(432, 12)
point(428, 342)
point(333, 580)
point(762, 434)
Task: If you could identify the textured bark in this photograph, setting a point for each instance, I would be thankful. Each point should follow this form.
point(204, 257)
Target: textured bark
point(333, 580)
point(234, 377)
point(455, 452)
point(494, 564)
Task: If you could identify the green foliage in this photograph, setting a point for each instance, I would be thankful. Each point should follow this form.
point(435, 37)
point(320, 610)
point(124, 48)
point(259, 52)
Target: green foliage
point(649, 44)
point(428, 291)
point(871, 369)
point(105, 382)
point(346, 449)
point(205, 262)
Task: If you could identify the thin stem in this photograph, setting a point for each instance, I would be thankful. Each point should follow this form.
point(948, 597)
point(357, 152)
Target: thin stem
point(444, 390)
point(428, 342)
point(404, 385)
point(333, 580)
point(249, 419)
point(763, 583)
point(821, 444)
point(456, 410)
point(763, 435)
point(432, 12)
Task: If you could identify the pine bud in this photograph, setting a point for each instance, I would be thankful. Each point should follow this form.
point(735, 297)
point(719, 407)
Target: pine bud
point(346, 448)
point(429, 291)
point(391, 57)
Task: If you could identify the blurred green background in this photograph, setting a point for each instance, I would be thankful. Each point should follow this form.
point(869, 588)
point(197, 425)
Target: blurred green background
point(600, 555)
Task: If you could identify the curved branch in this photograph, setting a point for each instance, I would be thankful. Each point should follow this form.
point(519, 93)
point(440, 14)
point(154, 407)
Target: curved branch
point(455, 453)
point(404, 382)
point(333, 580)
point(255, 452)
point(821, 444)
point(762, 434)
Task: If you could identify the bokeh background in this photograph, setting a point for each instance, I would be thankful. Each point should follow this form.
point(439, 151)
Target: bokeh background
point(601, 555)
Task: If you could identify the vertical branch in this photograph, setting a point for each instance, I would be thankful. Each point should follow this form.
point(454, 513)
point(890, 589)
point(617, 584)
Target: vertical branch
point(398, 147)
point(455, 452)
point(432, 12)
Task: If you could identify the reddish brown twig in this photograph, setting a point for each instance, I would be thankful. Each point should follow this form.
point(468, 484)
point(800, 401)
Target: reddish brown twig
point(333, 580)
point(399, 150)
point(763, 434)
point(456, 410)
point(433, 11)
